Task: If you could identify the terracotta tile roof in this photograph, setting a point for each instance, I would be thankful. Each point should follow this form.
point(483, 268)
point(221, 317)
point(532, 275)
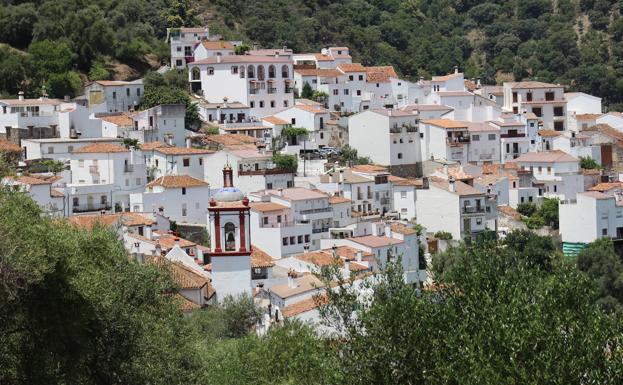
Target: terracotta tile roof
point(445, 123)
point(368, 168)
point(334, 200)
point(297, 193)
point(177, 181)
point(328, 73)
point(402, 229)
point(507, 210)
point(427, 107)
point(482, 127)
point(265, 207)
point(455, 93)
point(29, 180)
point(121, 120)
point(260, 259)
point(380, 74)
point(150, 146)
point(55, 193)
point(306, 71)
point(457, 172)
point(445, 77)
point(228, 140)
point(375, 241)
point(275, 120)
point(461, 188)
point(231, 59)
point(549, 133)
point(470, 85)
point(606, 186)
point(596, 195)
point(116, 82)
point(185, 304)
point(606, 130)
point(107, 220)
point(217, 45)
point(532, 84)
point(303, 284)
point(183, 150)
point(398, 181)
point(6, 146)
point(304, 306)
point(103, 148)
point(30, 102)
point(184, 276)
point(587, 116)
point(321, 57)
point(351, 67)
point(312, 109)
point(325, 257)
point(167, 241)
point(546, 157)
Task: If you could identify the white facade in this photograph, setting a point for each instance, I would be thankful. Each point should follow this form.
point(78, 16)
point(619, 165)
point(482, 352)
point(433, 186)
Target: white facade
point(114, 95)
point(59, 148)
point(557, 171)
point(183, 42)
point(263, 83)
point(590, 216)
point(546, 101)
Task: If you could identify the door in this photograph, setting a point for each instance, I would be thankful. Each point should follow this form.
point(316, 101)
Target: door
point(467, 226)
point(90, 203)
point(606, 155)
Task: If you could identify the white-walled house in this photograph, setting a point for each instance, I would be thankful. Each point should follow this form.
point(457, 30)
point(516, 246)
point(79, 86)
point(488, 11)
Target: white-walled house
point(445, 139)
point(181, 198)
point(546, 101)
point(42, 191)
point(590, 216)
point(484, 145)
point(312, 118)
point(59, 148)
point(263, 83)
point(455, 207)
point(580, 104)
point(114, 95)
point(558, 172)
point(161, 160)
point(389, 137)
point(253, 170)
point(183, 42)
point(103, 176)
point(208, 48)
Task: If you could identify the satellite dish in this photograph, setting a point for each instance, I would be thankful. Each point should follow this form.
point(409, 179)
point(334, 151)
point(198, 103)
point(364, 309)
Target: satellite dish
point(324, 51)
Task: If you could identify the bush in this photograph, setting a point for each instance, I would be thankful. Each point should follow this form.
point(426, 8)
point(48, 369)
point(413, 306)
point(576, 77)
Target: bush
point(527, 209)
point(586, 162)
point(443, 235)
point(535, 222)
point(286, 162)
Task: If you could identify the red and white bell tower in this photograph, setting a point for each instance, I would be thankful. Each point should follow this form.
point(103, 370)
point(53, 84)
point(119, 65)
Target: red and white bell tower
point(230, 240)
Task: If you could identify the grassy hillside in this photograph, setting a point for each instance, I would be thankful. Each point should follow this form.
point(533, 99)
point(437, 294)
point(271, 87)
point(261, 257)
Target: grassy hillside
point(572, 42)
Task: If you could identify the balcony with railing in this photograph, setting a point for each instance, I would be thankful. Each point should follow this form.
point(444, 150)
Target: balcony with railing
point(315, 211)
point(254, 91)
point(320, 230)
point(272, 90)
point(94, 170)
point(473, 210)
point(128, 168)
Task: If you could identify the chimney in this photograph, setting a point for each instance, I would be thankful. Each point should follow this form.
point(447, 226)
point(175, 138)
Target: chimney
point(188, 142)
point(254, 46)
point(478, 84)
point(347, 265)
point(388, 230)
point(341, 176)
point(334, 252)
point(451, 184)
point(20, 95)
point(445, 169)
point(489, 189)
point(285, 47)
point(218, 58)
point(573, 134)
point(291, 277)
point(280, 192)
point(177, 242)
point(359, 256)
point(132, 151)
point(456, 69)
point(158, 250)
point(306, 248)
point(66, 98)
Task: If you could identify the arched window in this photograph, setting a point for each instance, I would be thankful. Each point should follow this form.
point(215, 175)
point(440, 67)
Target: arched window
point(285, 73)
point(260, 72)
point(271, 71)
point(241, 71)
point(230, 237)
point(196, 74)
point(251, 72)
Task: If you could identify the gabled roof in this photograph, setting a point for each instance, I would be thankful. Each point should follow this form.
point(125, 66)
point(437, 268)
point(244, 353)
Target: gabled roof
point(265, 207)
point(304, 306)
point(29, 180)
point(606, 186)
point(123, 119)
point(460, 188)
point(217, 45)
point(311, 109)
point(351, 67)
point(304, 284)
point(125, 219)
point(380, 74)
point(231, 59)
point(549, 133)
point(103, 148)
point(375, 241)
point(445, 77)
point(546, 157)
point(6, 146)
point(182, 150)
point(275, 120)
point(177, 181)
point(150, 146)
point(446, 123)
point(532, 84)
point(260, 259)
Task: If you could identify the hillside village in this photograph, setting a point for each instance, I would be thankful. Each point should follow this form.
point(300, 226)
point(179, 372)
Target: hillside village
point(308, 159)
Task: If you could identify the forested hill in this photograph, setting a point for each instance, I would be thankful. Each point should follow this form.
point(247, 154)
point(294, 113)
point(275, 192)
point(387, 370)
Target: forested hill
point(573, 42)
point(60, 44)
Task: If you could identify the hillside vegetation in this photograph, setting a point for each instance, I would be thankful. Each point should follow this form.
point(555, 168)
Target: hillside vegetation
point(577, 43)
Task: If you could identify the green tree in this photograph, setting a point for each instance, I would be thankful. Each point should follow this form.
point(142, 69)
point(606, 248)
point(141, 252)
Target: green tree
point(155, 96)
point(588, 163)
point(549, 212)
point(527, 209)
point(600, 262)
point(98, 72)
point(307, 92)
point(285, 162)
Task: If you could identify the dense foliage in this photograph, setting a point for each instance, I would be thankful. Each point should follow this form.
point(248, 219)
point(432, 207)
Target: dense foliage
point(601, 262)
point(577, 43)
point(170, 88)
point(93, 38)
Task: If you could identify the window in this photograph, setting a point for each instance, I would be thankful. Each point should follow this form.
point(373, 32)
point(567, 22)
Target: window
point(265, 220)
point(358, 92)
point(251, 72)
point(549, 96)
point(555, 188)
point(76, 202)
point(529, 96)
point(475, 138)
point(285, 103)
point(515, 110)
point(558, 111)
point(103, 200)
point(336, 92)
point(351, 77)
point(252, 104)
point(200, 161)
point(178, 63)
point(184, 210)
point(360, 77)
point(604, 231)
point(403, 194)
point(230, 237)
point(345, 91)
point(138, 92)
point(491, 136)
point(188, 51)
point(285, 72)
point(234, 70)
point(210, 70)
point(538, 111)
point(272, 104)
point(195, 73)
point(284, 241)
point(559, 126)
point(114, 94)
point(269, 186)
point(278, 218)
point(186, 162)
point(540, 168)
point(260, 72)
point(138, 181)
point(306, 238)
point(261, 104)
point(549, 170)
point(322, 135)
point(400, 155)
point(292, 240)
point(293, 121)
point(271, 71)
point(299, 239)
point(514, 97)
point(179, 49)
point(183, 190)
